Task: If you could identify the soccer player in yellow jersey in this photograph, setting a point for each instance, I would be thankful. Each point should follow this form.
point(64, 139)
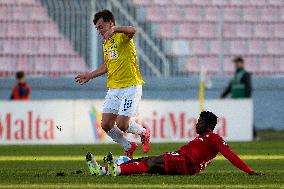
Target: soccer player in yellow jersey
point(124, 81)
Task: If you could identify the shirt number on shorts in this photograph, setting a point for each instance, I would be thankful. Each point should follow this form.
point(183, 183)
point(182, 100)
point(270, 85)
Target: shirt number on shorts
point(127, 104)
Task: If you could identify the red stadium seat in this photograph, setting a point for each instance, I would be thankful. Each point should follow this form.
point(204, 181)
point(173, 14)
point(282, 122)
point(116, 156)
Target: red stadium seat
point(77, 65)
point(270, 14)
point(201, 3)
point(7, 64)
point(183, 2)
point(251, 13)
point(3, 30)
point(258, 2)
point(21, 12)
point(220, 3)
point(188, 30)
point(275, 2)
point(155, 14)
point(211, 64)
point(207, 30)
point(215, 47)
point(281, 65)
point(268, 65)
point(240, 3)
point(230, 30)
point(162, 2)
point(238, 47)
point(24, 64)
point(28, 46)
point(199, 47)
point(278, 30)
point(212, 13)
point(3, 12)
point(11, 46)
point(192, 65)
point(63, 47)
point(232, 14)
point(274, 48)
point(193, 13)
point(143, 3)
point(262, 30)
point(257, 47)
point(39, 13)
point(252, 65)
point(46, 46)
point(167, 30)
point(244, 30)
point(173, 13)
point(14, 29)
point(32, 29)
point(49, 29)
point(228, 65)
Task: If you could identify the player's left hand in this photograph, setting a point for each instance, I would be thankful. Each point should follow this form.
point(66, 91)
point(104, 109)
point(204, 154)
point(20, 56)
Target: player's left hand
point(109, 33)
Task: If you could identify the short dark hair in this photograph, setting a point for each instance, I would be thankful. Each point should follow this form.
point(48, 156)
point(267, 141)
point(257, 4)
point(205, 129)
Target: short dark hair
point(238, 59)
point(105, 14)
point(210, 118)
point(20, 75)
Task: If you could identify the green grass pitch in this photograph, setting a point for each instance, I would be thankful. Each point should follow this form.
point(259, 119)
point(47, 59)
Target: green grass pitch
point(36, 166)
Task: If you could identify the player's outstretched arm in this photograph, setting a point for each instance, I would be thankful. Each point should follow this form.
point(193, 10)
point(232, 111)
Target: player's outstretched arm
point(84, 78)
point(226, 151)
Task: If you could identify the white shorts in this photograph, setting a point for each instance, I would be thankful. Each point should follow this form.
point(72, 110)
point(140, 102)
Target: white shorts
point(123, 101)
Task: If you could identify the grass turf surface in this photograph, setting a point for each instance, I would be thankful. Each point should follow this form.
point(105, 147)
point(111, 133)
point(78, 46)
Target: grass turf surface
point(36, 166)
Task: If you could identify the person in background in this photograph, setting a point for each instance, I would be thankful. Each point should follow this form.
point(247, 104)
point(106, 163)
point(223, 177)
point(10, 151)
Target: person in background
point(21, 90)
point(240, 86)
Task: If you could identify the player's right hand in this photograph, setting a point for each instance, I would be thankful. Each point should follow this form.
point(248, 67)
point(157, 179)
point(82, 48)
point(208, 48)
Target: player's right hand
point(81, 79)
point(255, 173)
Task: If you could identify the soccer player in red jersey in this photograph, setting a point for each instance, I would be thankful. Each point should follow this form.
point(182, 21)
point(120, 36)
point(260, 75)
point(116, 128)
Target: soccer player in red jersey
point(190, 159)
point(21, 90)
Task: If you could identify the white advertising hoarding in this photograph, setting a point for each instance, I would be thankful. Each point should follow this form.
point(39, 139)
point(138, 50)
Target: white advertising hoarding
point(36, 122)
point(78, 122)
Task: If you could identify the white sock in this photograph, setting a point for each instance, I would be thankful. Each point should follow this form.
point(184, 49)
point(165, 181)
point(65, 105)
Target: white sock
point(118, 170)
point(136, 128)
point(117, 136)
point(103, 171)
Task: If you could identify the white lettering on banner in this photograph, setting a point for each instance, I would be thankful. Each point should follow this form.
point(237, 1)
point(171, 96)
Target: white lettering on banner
point(29, 128)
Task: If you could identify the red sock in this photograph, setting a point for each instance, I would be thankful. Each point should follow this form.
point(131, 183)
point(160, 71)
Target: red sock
point(134, 167)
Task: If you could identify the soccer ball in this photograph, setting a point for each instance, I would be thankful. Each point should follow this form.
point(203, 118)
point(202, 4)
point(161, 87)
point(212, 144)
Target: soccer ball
point(121, 159)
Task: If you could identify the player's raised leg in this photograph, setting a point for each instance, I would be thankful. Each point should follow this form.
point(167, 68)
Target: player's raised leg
point(131, 97)
point(109, 126)
point(122, 123)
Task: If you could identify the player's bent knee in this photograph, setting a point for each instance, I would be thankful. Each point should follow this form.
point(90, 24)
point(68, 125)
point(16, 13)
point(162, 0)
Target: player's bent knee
point(122, 125)
point(106, 126)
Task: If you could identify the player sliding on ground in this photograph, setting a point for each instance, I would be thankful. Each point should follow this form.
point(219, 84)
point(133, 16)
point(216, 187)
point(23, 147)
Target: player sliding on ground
point(124, 81)
point(190, 159)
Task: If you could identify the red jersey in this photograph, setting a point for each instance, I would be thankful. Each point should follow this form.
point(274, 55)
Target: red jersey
point(205, 147)
point(21, 91)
